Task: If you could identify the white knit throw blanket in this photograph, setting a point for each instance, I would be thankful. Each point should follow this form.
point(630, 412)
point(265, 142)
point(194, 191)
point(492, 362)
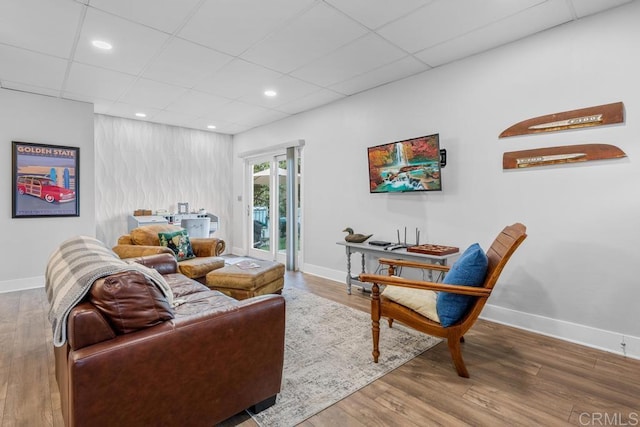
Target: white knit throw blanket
point(73, 268)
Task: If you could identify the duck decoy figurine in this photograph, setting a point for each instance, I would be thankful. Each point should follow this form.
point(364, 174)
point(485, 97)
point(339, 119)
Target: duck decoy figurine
point(355, 238)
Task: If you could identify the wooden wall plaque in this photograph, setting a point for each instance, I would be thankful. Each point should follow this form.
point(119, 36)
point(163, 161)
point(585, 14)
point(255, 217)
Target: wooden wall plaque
point(584, 117)
point(556, 155)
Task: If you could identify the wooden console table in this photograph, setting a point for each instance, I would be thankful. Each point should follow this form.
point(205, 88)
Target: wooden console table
point(380, 252)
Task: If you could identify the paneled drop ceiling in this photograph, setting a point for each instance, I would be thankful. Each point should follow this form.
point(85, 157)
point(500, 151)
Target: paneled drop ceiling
point(200, 63)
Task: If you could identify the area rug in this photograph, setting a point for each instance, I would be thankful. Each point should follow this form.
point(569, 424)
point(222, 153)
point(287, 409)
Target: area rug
point(328, 356)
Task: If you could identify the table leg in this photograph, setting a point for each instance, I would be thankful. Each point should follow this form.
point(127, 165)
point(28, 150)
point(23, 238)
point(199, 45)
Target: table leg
point(348, 271)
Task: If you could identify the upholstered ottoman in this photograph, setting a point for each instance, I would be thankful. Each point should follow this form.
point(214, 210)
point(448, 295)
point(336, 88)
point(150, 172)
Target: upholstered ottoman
point(241, 283)
point(197, 268)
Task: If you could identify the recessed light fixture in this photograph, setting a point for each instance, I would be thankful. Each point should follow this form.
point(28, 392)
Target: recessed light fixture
point(211, 126)
point(270, 93)
point(101, 44)
point(141, 115)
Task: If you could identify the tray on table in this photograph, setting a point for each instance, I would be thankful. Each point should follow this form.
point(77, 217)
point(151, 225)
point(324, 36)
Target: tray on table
point(431, 249)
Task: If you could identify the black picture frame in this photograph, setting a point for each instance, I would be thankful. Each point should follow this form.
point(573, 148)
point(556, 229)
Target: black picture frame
point(45, 180)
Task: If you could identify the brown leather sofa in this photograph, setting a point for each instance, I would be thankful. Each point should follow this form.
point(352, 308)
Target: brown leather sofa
point(132, 360)
point(144, 240)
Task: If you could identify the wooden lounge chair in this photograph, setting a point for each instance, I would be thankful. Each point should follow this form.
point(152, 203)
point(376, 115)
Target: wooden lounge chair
point(498, 254)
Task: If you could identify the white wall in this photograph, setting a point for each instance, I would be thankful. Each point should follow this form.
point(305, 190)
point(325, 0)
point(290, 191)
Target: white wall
point(125, 165)
point(28, 242)
point(573, 277)
point(141, 165)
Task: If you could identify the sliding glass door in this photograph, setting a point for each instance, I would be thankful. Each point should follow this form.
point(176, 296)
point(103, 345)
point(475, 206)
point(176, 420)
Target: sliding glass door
point(270, 207)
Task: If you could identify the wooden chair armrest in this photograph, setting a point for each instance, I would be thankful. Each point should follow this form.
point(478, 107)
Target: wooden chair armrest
point(413, 264)
point(418, 284)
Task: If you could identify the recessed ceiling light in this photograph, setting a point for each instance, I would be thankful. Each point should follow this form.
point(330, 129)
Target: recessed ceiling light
point(101, 44)
point(211, 126)
point(270, 93)
point(141, 115)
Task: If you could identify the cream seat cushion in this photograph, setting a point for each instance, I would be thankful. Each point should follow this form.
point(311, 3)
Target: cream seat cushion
point(422, 301)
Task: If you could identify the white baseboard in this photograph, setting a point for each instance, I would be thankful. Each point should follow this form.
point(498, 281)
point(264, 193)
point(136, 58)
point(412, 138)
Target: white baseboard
point(325, 273)
point(239, 251)
point(567, 331)
point(21, 284)
point(580, 334)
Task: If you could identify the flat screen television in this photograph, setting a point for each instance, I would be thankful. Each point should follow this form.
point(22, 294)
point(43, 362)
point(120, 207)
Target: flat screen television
point(405, 166)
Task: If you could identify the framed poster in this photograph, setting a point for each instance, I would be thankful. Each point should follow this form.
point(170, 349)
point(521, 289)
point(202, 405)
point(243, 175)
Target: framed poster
point(45, 180)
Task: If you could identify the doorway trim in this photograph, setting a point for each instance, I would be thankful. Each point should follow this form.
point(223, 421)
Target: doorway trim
point(293, 151)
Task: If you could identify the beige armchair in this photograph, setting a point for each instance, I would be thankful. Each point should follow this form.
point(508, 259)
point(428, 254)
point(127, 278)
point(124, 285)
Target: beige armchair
point(144, 241)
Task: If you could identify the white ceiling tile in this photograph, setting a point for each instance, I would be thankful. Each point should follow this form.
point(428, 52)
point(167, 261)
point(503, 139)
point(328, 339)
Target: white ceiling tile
point(445, 19)
point(175, 59)
point(375, 13)
point(233, 26)
point(589, 7)
point(361, 56)
point(397, 70)
point(41, 25)
point(197, 103)
point(221, 126)
point(237, 79)
point(244, 114)
point(288, 89)
point(30, 68)
point(175, 119)
point(264, 117)
point(121, 109)
point(133, 44)
point(530, 21)
point(164, 15)
point(184, 63)
point(305, 39)
point(96, 82)
point(236, 112)
point(313, 100)
point(150, 93)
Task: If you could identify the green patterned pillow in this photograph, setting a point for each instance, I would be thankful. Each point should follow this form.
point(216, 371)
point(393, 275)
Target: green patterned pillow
point(178, 242)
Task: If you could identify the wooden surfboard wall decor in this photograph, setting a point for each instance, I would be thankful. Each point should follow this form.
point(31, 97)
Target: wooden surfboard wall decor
point(585, 117)
point(557, 155)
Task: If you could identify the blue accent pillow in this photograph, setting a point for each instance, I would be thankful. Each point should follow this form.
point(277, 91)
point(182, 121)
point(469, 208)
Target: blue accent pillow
point(469, 270)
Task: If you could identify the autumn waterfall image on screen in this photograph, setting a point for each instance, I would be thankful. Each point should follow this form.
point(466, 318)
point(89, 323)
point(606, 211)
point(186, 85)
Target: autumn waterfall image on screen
point(405, 166)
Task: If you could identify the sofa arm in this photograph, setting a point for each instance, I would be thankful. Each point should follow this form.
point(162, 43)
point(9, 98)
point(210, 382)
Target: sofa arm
point(125, 240)
point(86, 326)
point(134, 251)
point(164, 263)
point(207, 246)
point(195, 370)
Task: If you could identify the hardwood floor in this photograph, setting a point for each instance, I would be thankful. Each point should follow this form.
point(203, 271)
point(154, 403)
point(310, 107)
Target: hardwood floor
point(517, 377)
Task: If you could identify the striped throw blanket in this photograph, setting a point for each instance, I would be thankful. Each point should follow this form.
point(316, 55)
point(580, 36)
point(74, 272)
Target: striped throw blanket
point(73, 268)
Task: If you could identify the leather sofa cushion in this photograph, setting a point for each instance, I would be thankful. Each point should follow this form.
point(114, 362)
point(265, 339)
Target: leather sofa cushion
point(195, 300)
point(195, 268)
point(129, 302)
point(148, 235)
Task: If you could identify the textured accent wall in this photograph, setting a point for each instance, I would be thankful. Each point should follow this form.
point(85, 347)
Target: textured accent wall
point(142, 165)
